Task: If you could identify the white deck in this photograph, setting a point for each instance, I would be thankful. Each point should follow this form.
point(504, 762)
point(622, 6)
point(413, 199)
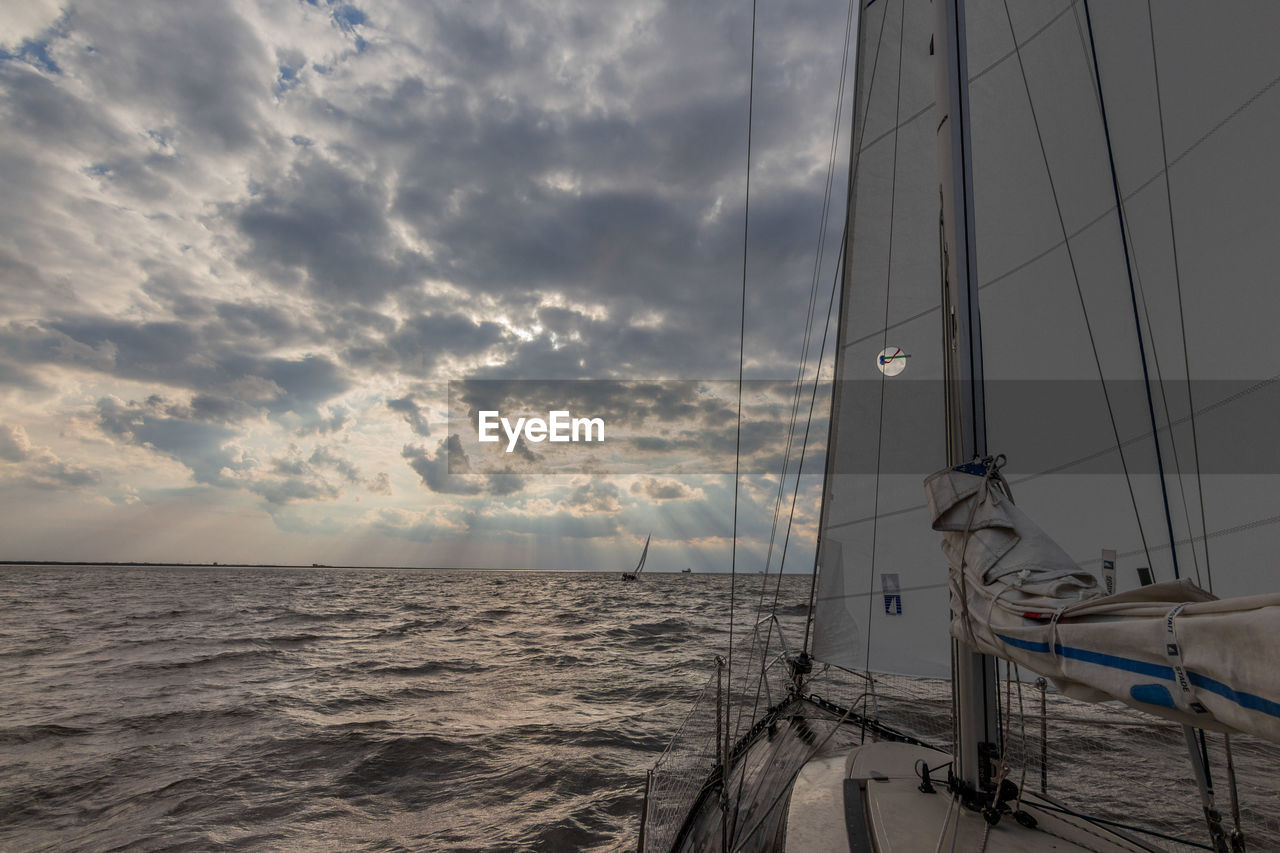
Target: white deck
point(899, 818)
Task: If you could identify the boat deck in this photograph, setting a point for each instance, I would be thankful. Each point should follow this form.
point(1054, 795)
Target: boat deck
point(806, 783)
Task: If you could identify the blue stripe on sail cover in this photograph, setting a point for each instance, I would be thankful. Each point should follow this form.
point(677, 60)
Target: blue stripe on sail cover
point(1154, 670)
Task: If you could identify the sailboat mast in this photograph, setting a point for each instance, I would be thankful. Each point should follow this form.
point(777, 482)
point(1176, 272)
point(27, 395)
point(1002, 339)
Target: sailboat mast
point(973, 675)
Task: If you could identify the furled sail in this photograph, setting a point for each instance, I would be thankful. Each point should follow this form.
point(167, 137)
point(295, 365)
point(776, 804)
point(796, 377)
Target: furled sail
point(1170, 649)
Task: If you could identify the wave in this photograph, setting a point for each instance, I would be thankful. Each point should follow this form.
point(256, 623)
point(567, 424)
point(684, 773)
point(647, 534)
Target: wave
point(35, 733)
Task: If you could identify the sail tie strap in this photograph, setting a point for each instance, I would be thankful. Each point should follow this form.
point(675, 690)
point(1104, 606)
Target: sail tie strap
point(990, 467)
point(1185, 694)
point(1053, 634)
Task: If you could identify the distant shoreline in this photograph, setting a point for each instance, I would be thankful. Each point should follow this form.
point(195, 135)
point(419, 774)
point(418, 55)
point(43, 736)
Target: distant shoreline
point(142, 564)
point(195, 565)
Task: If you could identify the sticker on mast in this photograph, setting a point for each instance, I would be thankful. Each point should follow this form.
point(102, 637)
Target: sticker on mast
point(892, 361)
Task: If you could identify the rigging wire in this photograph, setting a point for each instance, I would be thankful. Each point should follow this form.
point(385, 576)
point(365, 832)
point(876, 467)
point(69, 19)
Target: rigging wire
point(855, 146)
point(1261, 385)
point(1075, 275)
point(1248, 102)
point(742, 337)
point(893, 195)
point(810, 318)
point(1164, 393)
point(1177, 278)
point(813, 576)
point(1133, 296)
point(1204, 776)
point(795, 411)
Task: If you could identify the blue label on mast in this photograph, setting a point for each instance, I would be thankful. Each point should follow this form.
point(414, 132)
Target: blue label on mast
point(891, 588)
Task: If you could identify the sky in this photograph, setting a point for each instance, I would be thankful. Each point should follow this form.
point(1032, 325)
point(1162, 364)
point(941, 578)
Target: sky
point(246, 247)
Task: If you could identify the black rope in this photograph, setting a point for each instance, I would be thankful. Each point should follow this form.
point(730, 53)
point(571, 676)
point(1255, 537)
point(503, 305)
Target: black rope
point(1133, 296)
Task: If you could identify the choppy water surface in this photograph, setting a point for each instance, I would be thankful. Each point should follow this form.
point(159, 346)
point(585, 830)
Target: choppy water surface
point(198, 708)
point(173, 708)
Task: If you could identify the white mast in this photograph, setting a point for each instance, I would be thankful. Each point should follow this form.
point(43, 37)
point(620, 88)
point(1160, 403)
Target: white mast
point(973, 674)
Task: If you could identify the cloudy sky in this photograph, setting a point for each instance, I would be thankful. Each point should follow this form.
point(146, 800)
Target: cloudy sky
point(245, 246)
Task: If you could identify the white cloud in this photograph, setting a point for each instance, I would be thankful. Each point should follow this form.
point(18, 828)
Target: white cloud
point(230, 227)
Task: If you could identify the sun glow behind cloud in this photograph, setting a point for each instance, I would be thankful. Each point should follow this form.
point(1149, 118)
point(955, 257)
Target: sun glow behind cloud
point(246, 246)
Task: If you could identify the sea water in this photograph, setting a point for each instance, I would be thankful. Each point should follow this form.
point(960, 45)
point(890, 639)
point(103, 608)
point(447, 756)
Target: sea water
point(190, 708)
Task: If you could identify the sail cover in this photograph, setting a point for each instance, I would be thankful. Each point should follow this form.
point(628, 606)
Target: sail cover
point(1169, 649)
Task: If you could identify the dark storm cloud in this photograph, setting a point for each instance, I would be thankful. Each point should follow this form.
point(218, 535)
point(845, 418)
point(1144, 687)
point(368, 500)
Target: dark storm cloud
point(212, 407)
point(198, 445)
point(417, 343)
point(280, 220)
point(202, 68)
point(412, 413)
point(181, 355)
point(448, 471)
point(499, 483)
point(42, 107)
point(323, 457)
point(435, 469)
point(652, 212)
point(325, 228)
point(256, 321)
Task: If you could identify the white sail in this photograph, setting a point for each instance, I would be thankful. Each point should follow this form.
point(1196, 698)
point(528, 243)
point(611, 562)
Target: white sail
point(1124, 230)
point(1064, 370)
point(644, 554)
point(874, 523)
point(1170, 649)
point(1183, 131)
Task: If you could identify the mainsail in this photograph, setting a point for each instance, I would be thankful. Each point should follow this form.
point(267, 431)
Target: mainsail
point(1073, 107)
point(644, 554)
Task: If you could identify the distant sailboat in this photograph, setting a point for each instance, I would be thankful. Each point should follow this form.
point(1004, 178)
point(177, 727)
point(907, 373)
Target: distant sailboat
point(630, 576)
point(1117, 196)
